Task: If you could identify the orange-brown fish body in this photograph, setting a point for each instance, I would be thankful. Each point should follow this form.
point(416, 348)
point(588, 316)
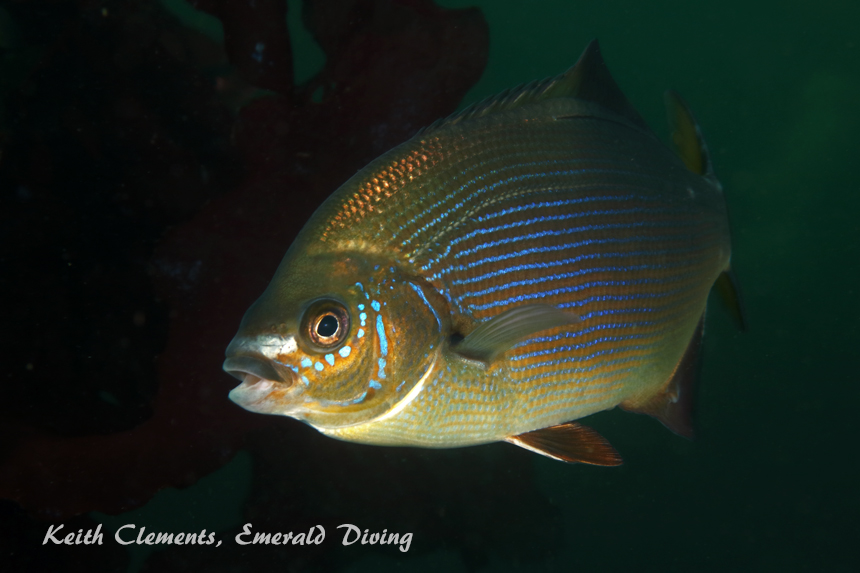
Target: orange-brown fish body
point(550, 214)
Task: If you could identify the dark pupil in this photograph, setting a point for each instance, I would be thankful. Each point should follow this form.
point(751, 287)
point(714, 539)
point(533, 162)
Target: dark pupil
point(327, 326)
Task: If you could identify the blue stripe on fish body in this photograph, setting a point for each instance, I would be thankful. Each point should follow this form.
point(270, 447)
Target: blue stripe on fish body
point(380, 330)
point(558, 202)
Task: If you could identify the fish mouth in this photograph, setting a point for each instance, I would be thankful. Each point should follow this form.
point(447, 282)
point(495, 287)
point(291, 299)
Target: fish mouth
point(264, 386)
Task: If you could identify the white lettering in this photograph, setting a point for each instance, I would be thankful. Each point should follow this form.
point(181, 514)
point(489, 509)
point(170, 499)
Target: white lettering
point(119, 539)
point(407, 539)
point(262, 538)
point(50, 535)
point(164, 539)
point(246, 530)
point(350, 529)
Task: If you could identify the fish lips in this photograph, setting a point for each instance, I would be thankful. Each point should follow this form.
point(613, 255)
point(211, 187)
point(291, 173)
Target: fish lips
point(265, 388)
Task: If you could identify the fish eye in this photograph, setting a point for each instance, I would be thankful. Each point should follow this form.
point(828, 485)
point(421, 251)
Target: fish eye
point(326, 324)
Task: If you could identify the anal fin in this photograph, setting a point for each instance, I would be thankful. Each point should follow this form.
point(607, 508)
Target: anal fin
point(673, 405)
point(570, 442)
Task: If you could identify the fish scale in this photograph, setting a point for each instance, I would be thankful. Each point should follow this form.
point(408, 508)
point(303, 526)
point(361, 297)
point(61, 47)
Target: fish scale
point(553, 196)
point(650, 275)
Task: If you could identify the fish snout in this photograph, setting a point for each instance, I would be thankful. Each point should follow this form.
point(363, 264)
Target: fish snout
point(264, 384)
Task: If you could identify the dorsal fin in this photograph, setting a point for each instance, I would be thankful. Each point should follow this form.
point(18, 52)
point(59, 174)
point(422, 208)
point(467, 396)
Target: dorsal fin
point(594, 83)
point(687, 137)
point(589, 80)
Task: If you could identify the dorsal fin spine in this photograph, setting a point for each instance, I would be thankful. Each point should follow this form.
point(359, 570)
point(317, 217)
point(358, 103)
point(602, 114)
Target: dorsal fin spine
point(588, 80)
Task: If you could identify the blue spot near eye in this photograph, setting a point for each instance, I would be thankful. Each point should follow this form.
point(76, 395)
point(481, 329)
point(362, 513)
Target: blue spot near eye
point(359, 285)
point(375, 305)
point(360, 332)
point(361, 307)
point(376, 268)
point(345, 351)
point(362, 317)
point(391, 269)
point(307, 362)
point(375, 385)
point(330, 359)
point(305, 381)
point(382, 368)
point(319, 366)
point(399, 386)
point(380, 329)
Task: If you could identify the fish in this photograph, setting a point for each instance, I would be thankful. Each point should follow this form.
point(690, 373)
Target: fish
point(529, 261)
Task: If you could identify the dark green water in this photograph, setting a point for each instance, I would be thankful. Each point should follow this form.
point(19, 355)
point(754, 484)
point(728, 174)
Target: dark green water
point(770, 484)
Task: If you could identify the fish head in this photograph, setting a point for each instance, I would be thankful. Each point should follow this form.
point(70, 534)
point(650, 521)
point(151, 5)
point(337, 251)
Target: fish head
point(336, 340)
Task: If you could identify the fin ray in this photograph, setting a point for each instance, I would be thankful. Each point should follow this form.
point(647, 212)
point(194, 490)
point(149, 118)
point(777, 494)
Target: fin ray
point(589, 79)
point(497, 335)
point(570, 442)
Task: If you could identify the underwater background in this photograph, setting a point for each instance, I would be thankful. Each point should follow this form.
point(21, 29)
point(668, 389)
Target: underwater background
point(155, 165)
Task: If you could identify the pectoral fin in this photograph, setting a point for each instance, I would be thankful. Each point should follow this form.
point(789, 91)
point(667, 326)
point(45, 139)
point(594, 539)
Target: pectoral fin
point(570, 442)
point(501, 332)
